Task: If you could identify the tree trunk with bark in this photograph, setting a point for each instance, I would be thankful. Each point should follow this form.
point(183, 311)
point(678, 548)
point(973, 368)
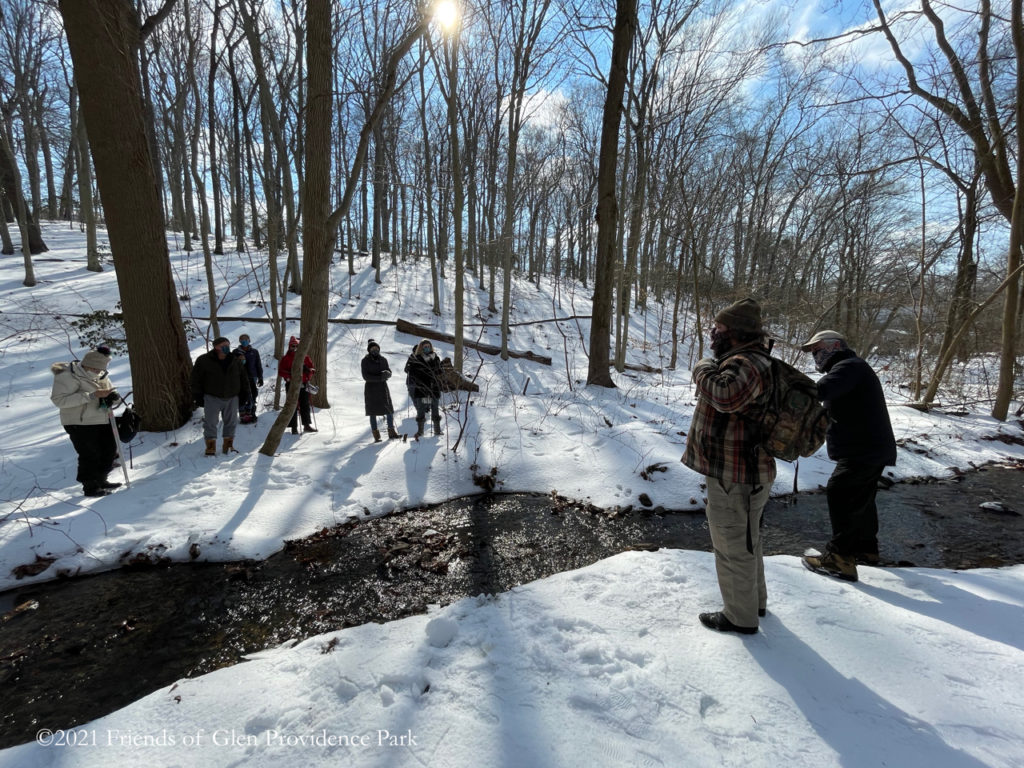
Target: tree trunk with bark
point(607, 209)
point(103, 37)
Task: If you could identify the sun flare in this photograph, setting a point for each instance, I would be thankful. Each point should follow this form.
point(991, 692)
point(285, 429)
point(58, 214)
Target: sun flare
point(446, 12)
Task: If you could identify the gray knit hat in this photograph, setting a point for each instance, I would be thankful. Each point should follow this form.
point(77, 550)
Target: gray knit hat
point(743, 317)
point(94, 359)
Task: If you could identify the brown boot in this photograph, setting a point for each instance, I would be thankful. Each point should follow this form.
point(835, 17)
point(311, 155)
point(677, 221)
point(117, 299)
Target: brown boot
point(833, 564)
point(392, 434)
point(376, 435)
point(229, 445)
point(211, 447)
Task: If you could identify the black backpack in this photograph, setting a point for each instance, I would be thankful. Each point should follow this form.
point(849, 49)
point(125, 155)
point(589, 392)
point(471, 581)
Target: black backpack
point(792, 420)
point(128, 424)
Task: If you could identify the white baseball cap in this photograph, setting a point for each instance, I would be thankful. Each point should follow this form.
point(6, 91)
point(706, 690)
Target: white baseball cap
point(822, 336)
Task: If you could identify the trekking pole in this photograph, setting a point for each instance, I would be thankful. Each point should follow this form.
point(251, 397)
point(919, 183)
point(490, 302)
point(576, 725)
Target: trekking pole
point(117, 445)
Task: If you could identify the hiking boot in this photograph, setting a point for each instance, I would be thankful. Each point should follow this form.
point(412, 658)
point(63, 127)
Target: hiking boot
point(437, 427)
point(295, 430)
point(308, 428)
point(393, 434)
point(867, 558)
point(376, 435)
point(419, 428)
point(95, 490)
point(229, 445)
point(211, 447)
point(109, 485)
point(833, 564)
point(718, 622)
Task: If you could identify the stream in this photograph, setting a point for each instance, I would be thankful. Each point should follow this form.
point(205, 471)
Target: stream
point(74, 650)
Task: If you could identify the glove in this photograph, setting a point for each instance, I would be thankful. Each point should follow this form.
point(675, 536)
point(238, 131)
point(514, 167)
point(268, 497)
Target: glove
point(386, 374)
point(110, 400)
point(259, 382)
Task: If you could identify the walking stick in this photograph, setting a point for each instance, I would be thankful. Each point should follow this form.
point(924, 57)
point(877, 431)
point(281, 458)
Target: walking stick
point(312, 389)
point(117, 444)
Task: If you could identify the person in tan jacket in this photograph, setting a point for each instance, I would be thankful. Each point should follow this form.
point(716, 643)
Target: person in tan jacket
point(83, 392)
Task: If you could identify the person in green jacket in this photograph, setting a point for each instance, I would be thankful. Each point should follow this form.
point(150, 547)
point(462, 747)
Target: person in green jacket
point(217, 379)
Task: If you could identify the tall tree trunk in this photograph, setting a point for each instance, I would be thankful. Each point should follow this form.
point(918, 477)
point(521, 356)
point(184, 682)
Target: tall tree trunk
point(44, 143)
point(457, 203)
point(10, 180)
point(428, 178)
point(1008, 351)
point(607, 209)
point(319, 242)
point(7, 156)
point(92, 254)
point(317, 239)
point(103, 37)
point(211, 118)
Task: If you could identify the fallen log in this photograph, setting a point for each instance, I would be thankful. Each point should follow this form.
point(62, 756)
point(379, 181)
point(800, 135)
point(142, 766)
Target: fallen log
point(404, 326)
point(641, 367)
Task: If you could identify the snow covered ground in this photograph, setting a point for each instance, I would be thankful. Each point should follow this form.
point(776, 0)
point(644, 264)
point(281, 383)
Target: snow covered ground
point(606, 665)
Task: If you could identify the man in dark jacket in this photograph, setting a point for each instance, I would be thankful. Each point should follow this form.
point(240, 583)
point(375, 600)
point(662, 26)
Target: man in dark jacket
point(723, 445)
point(861, 442)
point(217, 379)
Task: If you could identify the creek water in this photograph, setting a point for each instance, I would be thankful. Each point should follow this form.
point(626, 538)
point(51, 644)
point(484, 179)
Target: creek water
point(72, 651)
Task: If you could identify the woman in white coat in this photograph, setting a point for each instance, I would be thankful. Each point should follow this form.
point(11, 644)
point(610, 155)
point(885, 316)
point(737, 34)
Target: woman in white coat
point(81, 391)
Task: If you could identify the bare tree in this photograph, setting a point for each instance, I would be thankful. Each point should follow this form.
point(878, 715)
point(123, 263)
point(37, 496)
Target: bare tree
point(318, 243)
point(967, 97)
point(607, 209)
point(104, 39)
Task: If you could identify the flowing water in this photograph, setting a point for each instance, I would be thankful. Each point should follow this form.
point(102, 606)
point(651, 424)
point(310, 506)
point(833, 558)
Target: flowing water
point(72, 651)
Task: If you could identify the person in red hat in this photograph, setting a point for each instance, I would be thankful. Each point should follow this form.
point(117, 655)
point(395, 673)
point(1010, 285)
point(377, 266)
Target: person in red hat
point(284, 370)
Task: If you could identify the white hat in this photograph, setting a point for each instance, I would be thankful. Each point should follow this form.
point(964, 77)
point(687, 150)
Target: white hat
point(822, 336)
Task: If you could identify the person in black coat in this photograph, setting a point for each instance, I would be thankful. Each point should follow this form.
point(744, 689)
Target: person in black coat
point(424, 369)
point(861, 442)
point(376, 395)
point(254, 371)
point(218, 377)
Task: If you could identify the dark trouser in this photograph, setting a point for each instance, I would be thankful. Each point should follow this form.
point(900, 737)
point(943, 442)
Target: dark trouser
point(302, 410)
point(851, 506)
point(422, 404)
point(247, 397)
point(96, 449)
point(388, 416)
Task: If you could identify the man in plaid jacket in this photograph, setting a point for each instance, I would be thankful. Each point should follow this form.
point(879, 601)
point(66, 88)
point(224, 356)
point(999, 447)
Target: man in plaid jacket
point(723, 444)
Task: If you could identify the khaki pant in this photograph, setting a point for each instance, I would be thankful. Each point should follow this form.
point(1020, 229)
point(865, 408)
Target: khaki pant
point(734, 517)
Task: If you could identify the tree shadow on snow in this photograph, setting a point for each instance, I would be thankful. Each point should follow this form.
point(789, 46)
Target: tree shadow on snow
point(863, 728)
